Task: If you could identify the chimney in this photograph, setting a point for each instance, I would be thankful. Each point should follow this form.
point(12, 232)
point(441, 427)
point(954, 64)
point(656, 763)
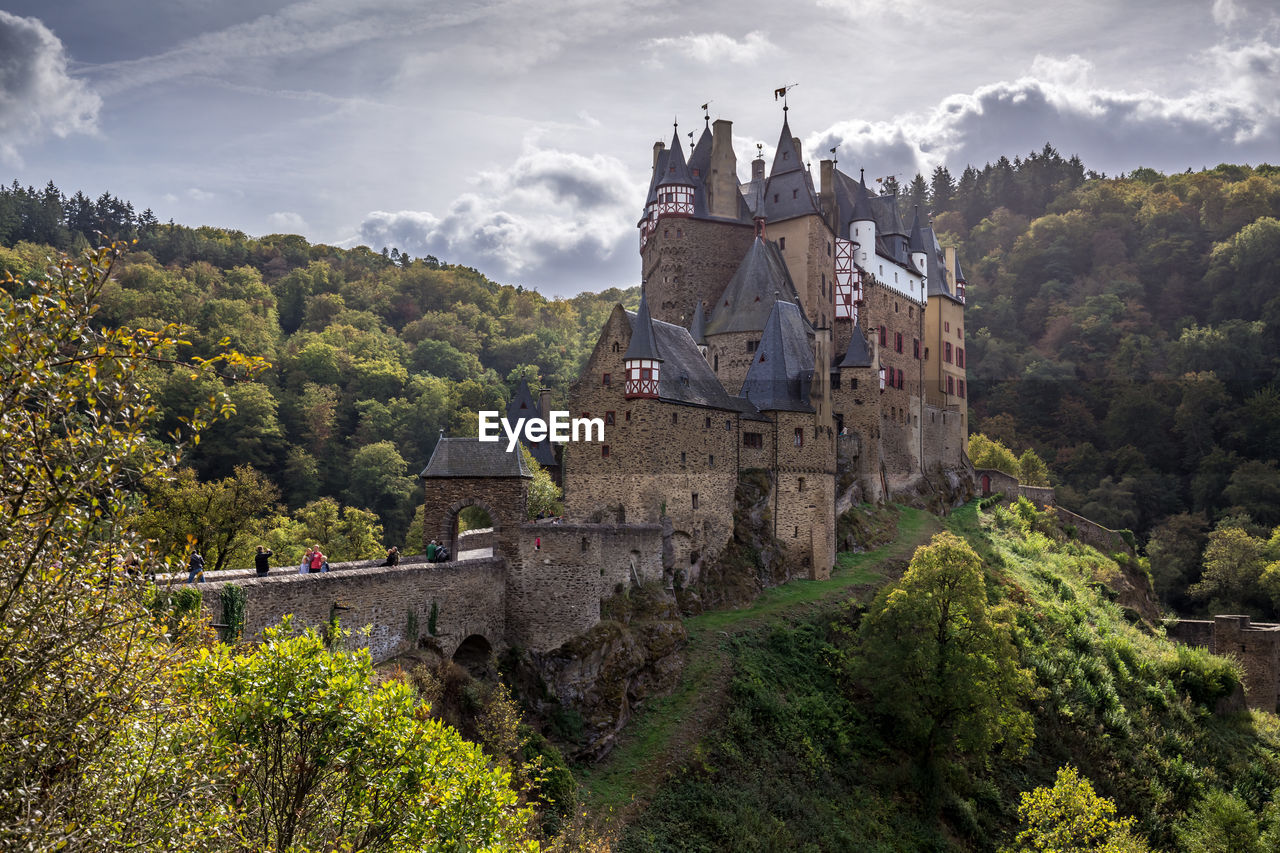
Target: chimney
point(795, 140)
point(722, 184)
point(757, 168)
point(658, 147)
point(544, 403)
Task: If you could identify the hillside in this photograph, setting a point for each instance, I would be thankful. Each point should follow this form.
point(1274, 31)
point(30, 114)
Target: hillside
point(804, 753)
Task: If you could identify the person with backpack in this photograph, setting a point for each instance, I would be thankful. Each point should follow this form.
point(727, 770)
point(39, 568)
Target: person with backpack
point(431, 551)
point(195, 572)
point(393, 556)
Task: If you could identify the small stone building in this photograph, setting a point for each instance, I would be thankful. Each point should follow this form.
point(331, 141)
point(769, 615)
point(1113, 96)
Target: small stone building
point(467, 472)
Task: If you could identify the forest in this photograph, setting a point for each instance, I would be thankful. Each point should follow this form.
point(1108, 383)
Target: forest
point(1124, 330)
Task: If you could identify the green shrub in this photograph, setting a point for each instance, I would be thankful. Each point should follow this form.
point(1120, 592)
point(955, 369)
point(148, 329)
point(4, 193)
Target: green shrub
point(1203, 677)
point(232, 612)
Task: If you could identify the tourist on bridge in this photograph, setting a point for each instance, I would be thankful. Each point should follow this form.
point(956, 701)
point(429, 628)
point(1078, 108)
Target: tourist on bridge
point(432, 547)
point(305, 566)
point(196, 569)
point(260, 563)
point(393, 556)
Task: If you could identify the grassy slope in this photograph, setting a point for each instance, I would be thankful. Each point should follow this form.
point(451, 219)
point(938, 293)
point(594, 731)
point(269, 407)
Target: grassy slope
point(788, 755)
point(669, 726)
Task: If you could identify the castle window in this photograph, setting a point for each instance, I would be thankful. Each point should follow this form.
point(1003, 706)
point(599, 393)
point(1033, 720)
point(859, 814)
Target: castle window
point(775, 198)
point(751, 346)
point(795, 193)
point(609, 419)
point(926, 353)
point(960, 388)
point(679, 232)
point(628, 416)
point(897, 341)
point(946, 352)
point(711, 460)
point(675, 418)
point(951, 385)
point(716, 363)
point(853, 383)
point(959, 357)
point(782, 241)
point(895, 305)
point(682, 457)
point(884, 336)
point(799, 439)
point(800, 484)
point(895, 281)
point(828, 248)
point(728, 425)
point(695, 500)
point(752, 439)
point(915, 342)
point(839, 424)
point(585, 544)
point(901, 384)
point(707, 425)
point(607, 380)
point(604, 450)
point(616, 346)
point(946, 327)
point(666, 232)
point(835, 380)
point(911, 311)
point(796, 535)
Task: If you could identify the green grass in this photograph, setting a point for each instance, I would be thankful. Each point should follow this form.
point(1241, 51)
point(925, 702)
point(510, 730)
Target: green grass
point(613, 783)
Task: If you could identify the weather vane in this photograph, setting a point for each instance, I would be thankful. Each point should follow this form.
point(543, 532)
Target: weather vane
point(781, 92)
point(706, 112)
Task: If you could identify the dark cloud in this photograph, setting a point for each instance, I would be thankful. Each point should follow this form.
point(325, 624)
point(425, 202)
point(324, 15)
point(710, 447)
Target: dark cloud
point(37, 95)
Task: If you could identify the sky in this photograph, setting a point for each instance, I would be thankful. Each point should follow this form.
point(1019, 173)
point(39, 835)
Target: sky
point(516, 137)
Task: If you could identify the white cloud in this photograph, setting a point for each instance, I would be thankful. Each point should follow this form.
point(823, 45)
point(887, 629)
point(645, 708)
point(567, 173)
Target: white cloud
point(1225, 12)
point(197, 194)
point(37, 95)
point(287, 222)
point(549, 219)
point(1232, 116)
point(712, 48)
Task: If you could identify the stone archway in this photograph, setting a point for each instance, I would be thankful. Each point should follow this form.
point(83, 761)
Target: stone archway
point(449, 524)
point(473, 655)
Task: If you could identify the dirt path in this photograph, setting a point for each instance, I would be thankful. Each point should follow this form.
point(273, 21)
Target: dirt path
point(665, 733)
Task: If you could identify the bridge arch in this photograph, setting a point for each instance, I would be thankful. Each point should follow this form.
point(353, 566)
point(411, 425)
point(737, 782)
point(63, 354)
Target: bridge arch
point(473, 654)
point(449, 524)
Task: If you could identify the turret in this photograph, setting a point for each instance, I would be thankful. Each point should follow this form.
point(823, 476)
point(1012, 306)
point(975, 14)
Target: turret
point(698, 331)
point(862, 228)
point(642, 361)
point(675, 186)
point(959, 276)
point(919, 255)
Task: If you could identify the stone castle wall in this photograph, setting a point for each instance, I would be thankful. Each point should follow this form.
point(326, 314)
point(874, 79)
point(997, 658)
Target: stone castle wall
point(470, 599)
point(1256, 646)
point(804, 495)
point(691, 260)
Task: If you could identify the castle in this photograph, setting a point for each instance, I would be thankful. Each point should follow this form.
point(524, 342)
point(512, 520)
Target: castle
point(804, 331)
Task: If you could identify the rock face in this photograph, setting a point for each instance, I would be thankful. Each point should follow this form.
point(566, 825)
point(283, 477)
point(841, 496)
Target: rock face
point(750, 563)
point(588, 688)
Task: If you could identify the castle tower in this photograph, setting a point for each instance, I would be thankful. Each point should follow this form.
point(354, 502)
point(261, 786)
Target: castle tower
point(695, 227)
point(919, 255)
point(642, 361)
point(959, 274)
point(863, 228)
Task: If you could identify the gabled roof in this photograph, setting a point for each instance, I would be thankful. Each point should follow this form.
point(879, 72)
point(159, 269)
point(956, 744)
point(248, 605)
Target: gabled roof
point(888, 217)
point(859, 352)
point(760, 280)
point(787, 196)
point(780, 377)
point(939, 283)
point(674, 170)
point(471, 457)
point(686, 377)
point(523, 405)
point(698, 329)
point(642, 344)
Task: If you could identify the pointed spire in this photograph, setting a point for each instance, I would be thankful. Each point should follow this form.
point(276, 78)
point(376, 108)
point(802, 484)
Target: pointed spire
point(786, 158)
point(760, 280)
point(859, 352)
point(960, 279)
point(917, 233)
point(894, 225)
point(643, 344)
point(778, 379)
point(698, 330)
point(862, 200)
point(675, 171)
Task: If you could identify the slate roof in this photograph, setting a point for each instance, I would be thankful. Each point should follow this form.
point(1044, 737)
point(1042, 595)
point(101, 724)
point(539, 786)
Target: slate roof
point(523, 405)
point(785, 158)
point(471, 457)
point(859, 352)
point(674, 170)
point(917, 243)
point(658, 168)
point(789, 183)
point(686, 377)
point(940, 283)
point(960, 272)
point(781, 375)
point(700, 159)
point(760, 280)
point(698, 329)
point(642, 343)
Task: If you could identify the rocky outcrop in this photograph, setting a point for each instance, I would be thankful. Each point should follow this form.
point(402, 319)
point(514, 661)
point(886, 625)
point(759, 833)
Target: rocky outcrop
point(586, 690)
point(751, 562)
